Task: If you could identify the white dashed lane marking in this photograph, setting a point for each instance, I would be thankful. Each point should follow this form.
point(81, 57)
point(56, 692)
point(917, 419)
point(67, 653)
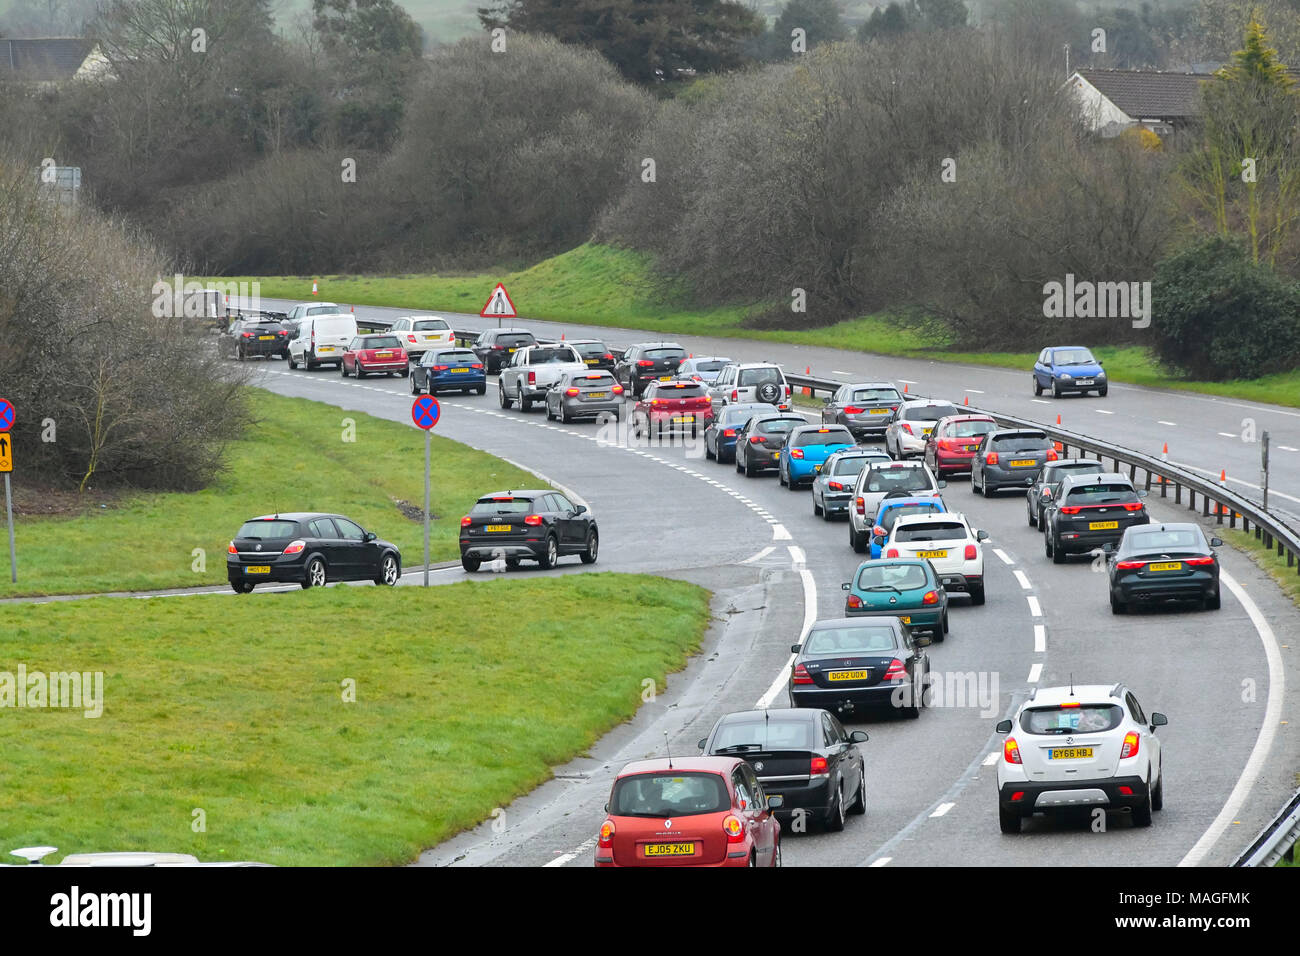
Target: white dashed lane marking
point(1035, 672)
point(1023, 579)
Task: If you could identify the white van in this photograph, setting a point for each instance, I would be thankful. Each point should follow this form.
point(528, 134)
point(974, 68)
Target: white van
point(321, 339)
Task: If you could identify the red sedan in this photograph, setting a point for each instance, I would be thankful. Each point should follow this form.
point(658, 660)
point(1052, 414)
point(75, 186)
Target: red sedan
point(677, 406)
point(951, 445)
point(689, 811)
point(368, 354)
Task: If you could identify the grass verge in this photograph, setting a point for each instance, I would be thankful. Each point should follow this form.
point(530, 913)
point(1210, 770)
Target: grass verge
point(603, 286)
point(148, 540)
point(231, 706)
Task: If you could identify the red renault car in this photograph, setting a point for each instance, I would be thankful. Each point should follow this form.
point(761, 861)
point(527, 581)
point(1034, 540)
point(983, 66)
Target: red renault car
point(951, 446)
point(368, 354)
point(689, 811)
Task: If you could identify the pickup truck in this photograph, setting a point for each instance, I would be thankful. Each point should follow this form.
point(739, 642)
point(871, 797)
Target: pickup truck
point(533, 370)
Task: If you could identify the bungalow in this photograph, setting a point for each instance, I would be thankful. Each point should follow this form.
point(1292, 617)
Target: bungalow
point(49, 61)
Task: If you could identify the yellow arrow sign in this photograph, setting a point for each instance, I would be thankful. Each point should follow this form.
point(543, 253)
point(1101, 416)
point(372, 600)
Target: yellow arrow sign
point(6, 452)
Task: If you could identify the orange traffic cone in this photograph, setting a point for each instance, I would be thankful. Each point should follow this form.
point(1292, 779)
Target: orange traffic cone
point(1058, 419)
point(313, 287)
point(966, 400)
point(561, 336)
point(904, 388)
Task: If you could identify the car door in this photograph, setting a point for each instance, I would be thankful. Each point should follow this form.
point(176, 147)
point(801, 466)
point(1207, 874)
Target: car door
point(852, 758)
point(765, 830)
point(566, 520)
point(330, 543)
point(747, 809)
point(834, 748)
point(1148, 736)
point(721, 388)
point(358, 561)
point(1038, 366)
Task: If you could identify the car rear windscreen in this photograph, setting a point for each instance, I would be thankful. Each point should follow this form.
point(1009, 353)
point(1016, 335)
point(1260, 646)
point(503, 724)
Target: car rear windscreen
point(555, 356)
point(323, 310)
point(849, 465)
point(1057, 471)
point(264, 530)
point(778, 426)
point(773, 734)
point(1019, 443)
point(930, 531)
point(666, 353)
point(340, 326)
point(851, 640)
point(1164, 541)
point(517, 340)
point(1101, 494)
point(928, 413)
point(492, 506)
point(458, 357)
point(681, 390)
point(669, 794)
point(897, 479)
point(876, 395)
point(759, 376)
point(380, 342)
point(891, 515)
point(711, 366)
point(970, 429)
point(591, 349)
point(594, 380)
point(829, 436)
point(1083, 719)
point(429, 325)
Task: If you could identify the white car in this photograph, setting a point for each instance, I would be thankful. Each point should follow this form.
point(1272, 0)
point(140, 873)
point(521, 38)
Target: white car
point(881, 478)
point(1084, 746)
point(304, 309)
point(949, 543)
point(321, 340)
point(912, 424)
point(419, 333)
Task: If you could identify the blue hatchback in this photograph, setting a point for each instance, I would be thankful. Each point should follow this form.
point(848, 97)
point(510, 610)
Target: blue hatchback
point(441, 370)
point(1068, 368)
point(891, 509)
point(806, 449)
point(726, 423)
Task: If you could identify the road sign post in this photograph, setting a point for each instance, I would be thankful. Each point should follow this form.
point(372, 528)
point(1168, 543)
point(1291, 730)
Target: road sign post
point(6, 466)
point(425, 412)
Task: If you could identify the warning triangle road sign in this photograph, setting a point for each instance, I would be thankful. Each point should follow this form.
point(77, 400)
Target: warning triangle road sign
point(498, 305)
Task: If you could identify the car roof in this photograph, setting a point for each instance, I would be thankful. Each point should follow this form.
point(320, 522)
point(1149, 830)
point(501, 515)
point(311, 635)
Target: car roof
point(706, 764)
point(893, 463)
point(655, 345)
point(499, 331)
point(432, 316)
point(756, 365)
point(935, 504)
point(331, 304)
point(806, 713)
point(518, 493)
point(1073, 462)
point(296, 516)
point(827, 623)
point(1167, 526)
point(712, 358)
point(814, 427)
point(967, 418)
point(1055, 347)
point(1084, 693)
point(926, 402)
point(1027, 432)
point(127, 858)
point(873, 385)
point(783, 416)
point(905, 520)
point(584, 342)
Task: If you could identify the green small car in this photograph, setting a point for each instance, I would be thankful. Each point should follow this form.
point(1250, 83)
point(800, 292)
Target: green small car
point(906, 588)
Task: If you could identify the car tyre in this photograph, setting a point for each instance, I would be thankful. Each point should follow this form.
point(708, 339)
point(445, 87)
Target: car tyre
point(707, 453)
point(1117, 606)
point(1031, 517)
point(525, 404)
point(315, 574)
point(550, 555)
point(242, 587)
point(977, 595)
point(1213, 603)
point(470, 562)
point(818, 510)
point(481, 389)
point(293, 362)
point(1101, 392)
point(564, 415)
point(750, 471)
point(859, 805)
point(834, 821)
point(1056, 390)
point(1142, 814)
point(1158, 794)
point(1009, 821)
point(1038, 389)
point(390, 572)
point(943, 625)
point(501, 394)
point(1058, 555)
point(857, 539)
point(593, 543)
point(415, 389)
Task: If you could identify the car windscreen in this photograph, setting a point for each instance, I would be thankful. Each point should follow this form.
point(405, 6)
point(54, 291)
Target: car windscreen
point(852, 640)
point(705, 366)
point(1159, 541)
point(759, 376)
point(897, 479)
point(516, 341)
point(457, 357)
point(1101, 493)
point(659, 355)
point(380, 342)
point(891, 515)
point(970, 429)
point(889, 577)
point(778, 426)
point(557, 356)
point(1073, 357)
point(823, 436)
point(849, 465)
point(927, 413)
point(930, 531)
point(680, 390)
point(493, 506)
point(429, 325)
point(876, 395)
point(669, 794)
point(773, 734)
point(1081, 719)
point(271, 528)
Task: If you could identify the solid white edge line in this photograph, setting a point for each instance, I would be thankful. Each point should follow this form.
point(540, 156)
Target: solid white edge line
point(1002, 556)
point(809, 618)
point(991, 759)
point(1264, 742)
point(1023, 579)
point(566, 857)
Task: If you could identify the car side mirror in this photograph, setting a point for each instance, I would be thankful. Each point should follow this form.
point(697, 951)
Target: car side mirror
point(1108, 547)
point(1159, 720)
point(1142, 493)
point(371, 536)
point(846, 586)
point(879, 539)
point(580, 510)
point(794, 648)
point(703, 742)
point(1216, 542)
point(859, 737)
point(775, 802)
point(981, 535)
point(607, 808)
point(941, 483)
point(826, 400)
point(1003, 727)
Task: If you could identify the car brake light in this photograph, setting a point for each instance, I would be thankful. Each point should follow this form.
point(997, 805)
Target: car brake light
point(819, 767)
point(617, 389)
point(498, 348)
point(879, 529)
point(608, 357)
point(1199, 562)
point(1071, 703)
point(232, 549)
point(282, 332)
point(796, 453)
point(477, 365)
point(1125, 791)
point(931, 597)
point(734, 829)
point(1011, 750)
point(532, 378)
point(1051, 454)
point(735, 395)
point(464, 522)
point(1071, 510)
point(1017, 796)
point(853, 410)
point(571, 391)
point(532, 520)
point(295, 547)
point(896, 671)
point(655, 401)
point(410, 338)
point(891, 553)
point(854, 601)
point(906, 427)
point(1131, 744)
point(1133, 506)
point(644, 363)
point(860, 504)
point(787, 391)
point(728, 433)
point(991, 458)
point(756, 440)
point(1129, 565)
point(440, 368)
point(801, 675)
point(971, 552)
point(607, 834)
point(248, 335)
point(834, 486)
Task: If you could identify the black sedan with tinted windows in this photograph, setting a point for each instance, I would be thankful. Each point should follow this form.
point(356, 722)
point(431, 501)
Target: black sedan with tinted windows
point(595, 354)
point(540, 526)
point(759, 442)
point(495, 346)
point(847, 664)
point(1155, 563)
point(308, 549)
point(1041, 491)
point(803, 756)
point(644, 363)
point(256, 336)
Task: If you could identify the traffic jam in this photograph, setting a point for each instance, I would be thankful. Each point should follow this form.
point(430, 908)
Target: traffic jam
point(871, 456)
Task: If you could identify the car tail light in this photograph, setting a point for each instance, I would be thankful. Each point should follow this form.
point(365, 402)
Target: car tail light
point(1011, 750)
point(991, 458)
point(896, 671)
point(1018, 795)
point(617, 389)
point(606, 834)
point(787, 391)
point(835, 486)
point(248, 335)
point(1071, 510)
point(232, 549)
point(464, 522)
point(607, 357)
point(735, 395)
point(696, 378)
point(971, 552)
point(861, 505)
point(819, 767)
point(879, 530)
point(282, 332)
point(756, 440)
point(498, 348)
point(728, 433)
point(891, 553)
point(477, 365)
point(1051, 454)
point(796, 453)
point(1071, 703)
point(854, 601)
point(532, 520)
point(1199, 562)
point(1133, 506)
point(1126, 791)
point(644, 363)
point(931, 597)
point(440, 368)
point(411, 339)
point(532, 378)
point(906, 427)
point(733, 828)
point(656, 401)
point(295, 547)
point(801, 675)
point(571, 391)
point(1131, 744)
point(853, 410)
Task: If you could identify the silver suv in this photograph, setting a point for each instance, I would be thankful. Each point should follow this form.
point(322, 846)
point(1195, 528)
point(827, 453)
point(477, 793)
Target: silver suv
point(750, 382)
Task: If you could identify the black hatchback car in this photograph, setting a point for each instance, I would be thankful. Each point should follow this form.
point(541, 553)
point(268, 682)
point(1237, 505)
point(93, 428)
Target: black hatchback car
point(1163, 562)
point(309, 549)
point(804, 756)
point(1090, 511)
point(539, 526)
point(255, 336)
point(644, 363)
point(495, 346)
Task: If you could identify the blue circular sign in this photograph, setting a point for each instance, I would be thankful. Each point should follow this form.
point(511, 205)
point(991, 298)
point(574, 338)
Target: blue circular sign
point(425, 411)
point(6, 415)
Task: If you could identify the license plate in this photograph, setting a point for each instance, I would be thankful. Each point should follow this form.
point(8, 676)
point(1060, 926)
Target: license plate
point(677, 419)
point(497, 527)
point(1023, 463)
point(460, 370)
point(430, 338)
point(932, 554)
point(326, 348)
point(972, 447)
point(665, 378)
point(880, 411)
point(1102, 525)
point(511, 350)
point(776, 454)
point(590, 361)
point(383, 354)
point(847, 675)
point(1070, 753)
point(1168, 566)
point(926, 432)
point(266, 338)
point(1083, 381)
point(258, 569)
point(905, 618)
point(817, 467)
point(597, 394)
point(670, 849)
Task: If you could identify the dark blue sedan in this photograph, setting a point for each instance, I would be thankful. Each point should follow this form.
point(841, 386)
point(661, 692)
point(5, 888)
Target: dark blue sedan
point(720, 435)
point(445, 370)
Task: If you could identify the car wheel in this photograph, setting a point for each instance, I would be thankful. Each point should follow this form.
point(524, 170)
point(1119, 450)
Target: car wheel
point(525, 404)
point(1038, 389)
point(1117, 606)
point(404, 372)
point(315, 575)
point(791, 483)
point(481, 389)
point(749, 468)
point(1031, 517)
point(974, 488)
point(857, 539)
point(1058, 555)
point(549, 416)
point(977, 595)
point(1158, 794)
point(1101, 392)
point(1142, 814)
point(415, 389)
point(564, 415)
point(501, 393)
point(239, 353)
point(343, 369)
point(835, 813)
point(293, 362)
point(708, 453)
point(780, 475)
point(737, 461)
point(593, 542)
point(1009, 821)
point(389, 572)
point(984, 489)
point(242, 587)
point(943, 628)
point(357, 370)
point(859, 805)
point(470, 562)
point(1213, 603)
point(818, 511)
point(1056, 390)
point(550, 555)
point(776, 852)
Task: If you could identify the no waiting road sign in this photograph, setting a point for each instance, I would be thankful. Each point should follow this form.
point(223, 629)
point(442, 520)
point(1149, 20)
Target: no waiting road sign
point(6, 452)
point(498, 305)
point(425, 411)
point(6, 415)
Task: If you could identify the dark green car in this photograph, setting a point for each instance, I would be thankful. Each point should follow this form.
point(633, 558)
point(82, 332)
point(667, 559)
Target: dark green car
point(906, 588)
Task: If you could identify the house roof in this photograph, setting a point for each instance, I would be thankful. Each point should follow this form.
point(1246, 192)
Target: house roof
point(1151, 94)
point(43, 59)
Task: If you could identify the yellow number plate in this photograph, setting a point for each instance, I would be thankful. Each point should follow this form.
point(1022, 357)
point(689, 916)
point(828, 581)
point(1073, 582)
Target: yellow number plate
point(1071, 753)
point(880, 411)
point(497, 527)
point(817, 467)
point(932, 554)
point(326, 348)
point(683, 418)
point(1169, 566)
point(460, 370)
point(665, 378)
point(926, 434)
point(266, 338)
point(670, 849)
point(590, 361)
point(905, 618)
point(847, 675)
point(597, 394)
point(258, 569)
point(1022, 462)
point(511, 350)
point(1103, 525)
